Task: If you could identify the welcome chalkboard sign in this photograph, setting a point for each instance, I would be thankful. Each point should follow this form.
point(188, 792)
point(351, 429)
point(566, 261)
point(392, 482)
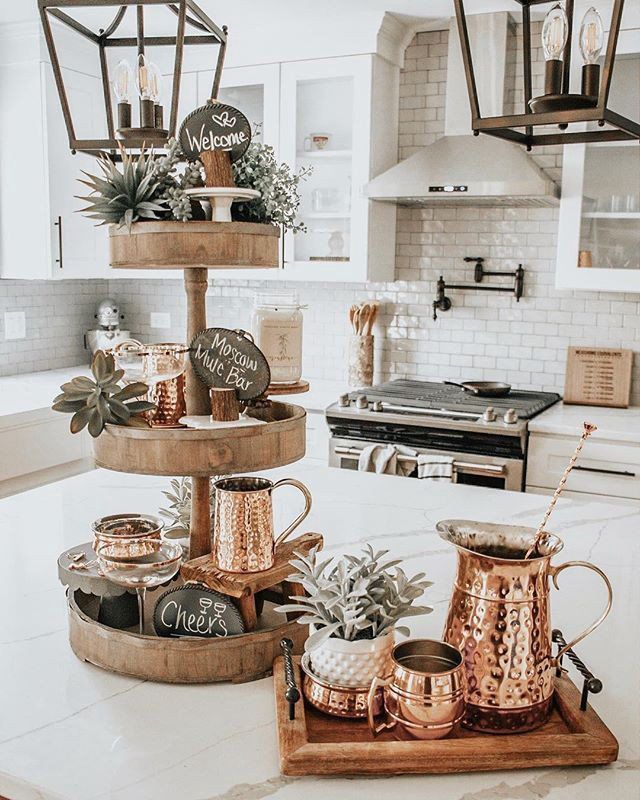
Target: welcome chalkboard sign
point(226, 359)
point(215, 126)
point(195, 610)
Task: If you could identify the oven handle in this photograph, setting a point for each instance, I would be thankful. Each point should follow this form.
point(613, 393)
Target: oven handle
point(459, 466)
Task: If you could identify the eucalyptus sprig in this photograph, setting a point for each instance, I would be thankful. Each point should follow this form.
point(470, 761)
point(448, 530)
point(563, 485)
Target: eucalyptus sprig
point(359, 597)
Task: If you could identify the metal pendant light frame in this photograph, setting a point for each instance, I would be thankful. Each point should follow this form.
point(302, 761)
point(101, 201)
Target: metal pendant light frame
point(187, 13)
point(507, 126)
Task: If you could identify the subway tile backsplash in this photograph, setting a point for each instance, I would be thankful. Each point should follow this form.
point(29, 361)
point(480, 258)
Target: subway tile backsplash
point(483, 336)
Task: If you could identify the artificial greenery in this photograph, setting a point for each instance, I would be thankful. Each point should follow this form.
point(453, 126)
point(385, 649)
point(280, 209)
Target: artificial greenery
point(359, 597)
point(179, 497)
point(278, 186)
point(123, 197)
point(94, 403)
point(173, 184)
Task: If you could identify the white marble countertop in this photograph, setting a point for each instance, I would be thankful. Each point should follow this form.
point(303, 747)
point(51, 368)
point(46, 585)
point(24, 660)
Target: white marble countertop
point(614, 424)
point(70, 731)
point(320, 395)
point(34, 391)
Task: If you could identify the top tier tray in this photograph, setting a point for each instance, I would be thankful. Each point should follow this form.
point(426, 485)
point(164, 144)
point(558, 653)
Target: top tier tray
point(194, 245)
point(200, 453)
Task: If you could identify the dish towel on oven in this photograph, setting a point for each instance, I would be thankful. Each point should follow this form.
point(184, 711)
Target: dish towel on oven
point(383, 459)
point(435, 468)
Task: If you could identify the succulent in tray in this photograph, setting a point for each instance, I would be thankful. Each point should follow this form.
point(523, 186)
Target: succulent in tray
point(94, 403)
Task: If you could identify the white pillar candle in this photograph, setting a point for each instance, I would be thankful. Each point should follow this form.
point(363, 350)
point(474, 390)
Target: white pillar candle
point(276, 325)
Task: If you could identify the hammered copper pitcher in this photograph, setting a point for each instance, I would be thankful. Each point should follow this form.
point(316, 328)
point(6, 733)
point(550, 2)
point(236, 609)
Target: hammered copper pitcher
point(243, 537)
point(499, 618)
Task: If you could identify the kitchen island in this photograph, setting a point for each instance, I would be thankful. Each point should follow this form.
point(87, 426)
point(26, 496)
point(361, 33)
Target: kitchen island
point(70, 731)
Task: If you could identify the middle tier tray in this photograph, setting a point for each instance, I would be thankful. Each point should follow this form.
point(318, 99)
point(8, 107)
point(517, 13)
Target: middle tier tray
point(200, 453)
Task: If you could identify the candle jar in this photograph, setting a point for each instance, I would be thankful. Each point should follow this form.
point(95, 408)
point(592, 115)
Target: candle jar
point(276, 325)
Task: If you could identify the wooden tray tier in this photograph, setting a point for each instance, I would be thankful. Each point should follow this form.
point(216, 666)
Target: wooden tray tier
point(192, 245)
point(200, 453)
point(316, 744)
point(238, 659)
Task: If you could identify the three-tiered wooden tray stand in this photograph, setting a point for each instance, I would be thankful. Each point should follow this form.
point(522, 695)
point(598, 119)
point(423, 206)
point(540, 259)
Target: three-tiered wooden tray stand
point(197, 247)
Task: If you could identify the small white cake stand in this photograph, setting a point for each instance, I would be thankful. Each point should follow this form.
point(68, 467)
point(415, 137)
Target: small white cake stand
point(221, 198)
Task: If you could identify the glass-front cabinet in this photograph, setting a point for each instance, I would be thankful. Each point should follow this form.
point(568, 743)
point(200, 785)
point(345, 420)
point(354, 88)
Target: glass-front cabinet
point(599, 225)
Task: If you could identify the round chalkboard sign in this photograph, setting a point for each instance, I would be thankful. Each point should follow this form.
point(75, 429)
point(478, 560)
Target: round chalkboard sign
point(226, 359)
point(215, 126)
point(196, 610)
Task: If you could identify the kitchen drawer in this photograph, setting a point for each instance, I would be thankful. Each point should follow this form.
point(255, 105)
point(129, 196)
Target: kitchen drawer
point(604, 467)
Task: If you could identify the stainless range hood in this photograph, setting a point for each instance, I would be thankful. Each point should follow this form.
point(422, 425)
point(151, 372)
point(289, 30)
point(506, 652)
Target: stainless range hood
point(459, 167)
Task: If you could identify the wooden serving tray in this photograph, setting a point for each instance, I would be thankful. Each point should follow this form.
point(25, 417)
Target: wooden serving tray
point(316, 744)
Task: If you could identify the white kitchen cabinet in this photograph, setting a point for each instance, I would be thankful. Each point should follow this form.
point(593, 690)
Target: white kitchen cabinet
point(599, 223)
point(42, 235)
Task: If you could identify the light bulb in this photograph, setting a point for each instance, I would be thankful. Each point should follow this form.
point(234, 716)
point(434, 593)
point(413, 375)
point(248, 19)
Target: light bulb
point(554, 33)
point(154, 81)
point(122, 81)
point(143, 78)
point(591, 36)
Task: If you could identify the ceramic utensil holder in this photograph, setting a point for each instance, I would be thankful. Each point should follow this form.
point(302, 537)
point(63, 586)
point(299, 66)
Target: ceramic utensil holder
point(360, 361)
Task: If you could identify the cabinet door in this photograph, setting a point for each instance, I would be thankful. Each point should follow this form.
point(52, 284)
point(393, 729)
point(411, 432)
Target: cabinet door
point(326, 126)
point(78, 247)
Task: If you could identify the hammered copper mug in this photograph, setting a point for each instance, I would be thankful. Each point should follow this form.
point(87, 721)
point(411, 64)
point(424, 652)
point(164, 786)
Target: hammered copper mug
point(243, 536)
point(500, 619)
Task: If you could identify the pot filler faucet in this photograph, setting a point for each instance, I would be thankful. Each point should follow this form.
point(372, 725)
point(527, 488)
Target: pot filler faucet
point(443, 303)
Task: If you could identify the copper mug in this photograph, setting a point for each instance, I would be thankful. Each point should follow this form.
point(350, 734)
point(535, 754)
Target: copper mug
point(424, 695)
point(243, 537)
point(499, 618)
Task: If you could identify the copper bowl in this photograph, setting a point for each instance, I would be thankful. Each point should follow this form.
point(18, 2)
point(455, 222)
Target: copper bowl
point(338, 701)
point(129, 535)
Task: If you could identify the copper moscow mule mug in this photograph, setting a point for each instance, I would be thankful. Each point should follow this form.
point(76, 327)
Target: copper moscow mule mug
point(499, 618)
point(243, 537)
point(423, 697)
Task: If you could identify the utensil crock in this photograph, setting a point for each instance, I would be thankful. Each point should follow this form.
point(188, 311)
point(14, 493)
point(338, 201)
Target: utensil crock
point(499, 618)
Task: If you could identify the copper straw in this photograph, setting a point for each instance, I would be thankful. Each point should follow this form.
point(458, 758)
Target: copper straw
point(589, 428)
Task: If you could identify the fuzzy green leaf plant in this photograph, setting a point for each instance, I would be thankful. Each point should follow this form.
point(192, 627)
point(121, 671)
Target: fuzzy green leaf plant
point(179, 496)
point(94, 403)
point(355, 597)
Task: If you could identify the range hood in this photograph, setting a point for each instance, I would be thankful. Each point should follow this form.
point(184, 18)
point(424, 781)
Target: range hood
point(460, 168)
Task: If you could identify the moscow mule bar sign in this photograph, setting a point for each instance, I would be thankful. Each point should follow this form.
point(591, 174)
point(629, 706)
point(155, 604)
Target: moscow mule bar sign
point(226, 359)
point(215, 126)
point(195, 610)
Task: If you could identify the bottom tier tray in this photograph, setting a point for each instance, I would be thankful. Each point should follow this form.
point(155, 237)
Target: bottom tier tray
point(316, 744)
point(186, 451)
point(238, 659)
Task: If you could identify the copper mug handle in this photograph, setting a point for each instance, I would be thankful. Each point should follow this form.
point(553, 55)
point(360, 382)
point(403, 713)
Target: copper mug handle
point(377, 728)
point(305, 513)
point(554, 572)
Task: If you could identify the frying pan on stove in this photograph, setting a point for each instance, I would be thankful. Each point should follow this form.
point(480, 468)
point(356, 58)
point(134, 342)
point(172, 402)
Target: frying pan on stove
point(483, 388)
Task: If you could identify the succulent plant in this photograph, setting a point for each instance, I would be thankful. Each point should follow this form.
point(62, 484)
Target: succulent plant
point(179, 497)
point(123, 198)
point(358, 597)
point(93, 403)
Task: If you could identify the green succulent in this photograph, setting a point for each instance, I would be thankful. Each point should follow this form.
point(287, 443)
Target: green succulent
point(122, 198)
point(179, 497)
point(97, 402)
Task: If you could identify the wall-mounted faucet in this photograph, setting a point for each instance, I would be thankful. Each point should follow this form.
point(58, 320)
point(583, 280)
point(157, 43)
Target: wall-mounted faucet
point(443, 303)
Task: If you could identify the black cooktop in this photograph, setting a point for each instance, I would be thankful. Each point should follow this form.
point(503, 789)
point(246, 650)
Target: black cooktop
point(430, 394)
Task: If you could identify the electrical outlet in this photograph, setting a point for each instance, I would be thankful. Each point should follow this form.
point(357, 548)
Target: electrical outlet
point(15, 325)
point(159, 320)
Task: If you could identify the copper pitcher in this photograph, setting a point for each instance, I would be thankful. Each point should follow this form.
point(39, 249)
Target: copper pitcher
point(499, 618)
point(243, 537)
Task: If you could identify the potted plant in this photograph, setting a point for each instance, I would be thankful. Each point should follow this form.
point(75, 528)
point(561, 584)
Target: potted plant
point(353, 607)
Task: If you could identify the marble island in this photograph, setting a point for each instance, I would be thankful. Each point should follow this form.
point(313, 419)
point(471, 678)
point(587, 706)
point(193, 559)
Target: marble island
point(70, 731)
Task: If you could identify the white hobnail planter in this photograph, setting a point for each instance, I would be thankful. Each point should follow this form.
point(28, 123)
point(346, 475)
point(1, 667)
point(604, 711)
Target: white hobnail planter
point(353, 663)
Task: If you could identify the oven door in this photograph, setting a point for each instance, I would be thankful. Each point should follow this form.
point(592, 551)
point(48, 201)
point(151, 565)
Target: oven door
point(477, 470)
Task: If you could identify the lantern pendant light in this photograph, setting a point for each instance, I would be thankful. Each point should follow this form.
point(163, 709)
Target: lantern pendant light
point(142, 123)
point(558, 106)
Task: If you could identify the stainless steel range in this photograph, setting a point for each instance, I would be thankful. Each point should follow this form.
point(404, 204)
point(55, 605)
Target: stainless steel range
point(485, 437)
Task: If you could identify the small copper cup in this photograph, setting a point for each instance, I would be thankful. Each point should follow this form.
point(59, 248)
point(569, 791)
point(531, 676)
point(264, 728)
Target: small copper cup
point(129, 535)
point(424, 695)
point(243, 536)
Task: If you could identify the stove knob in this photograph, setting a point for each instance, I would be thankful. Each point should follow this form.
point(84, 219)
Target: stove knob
point(343, 401)
point(489, 414)
point(377, 405)
point(510, 416)
point(361, 401)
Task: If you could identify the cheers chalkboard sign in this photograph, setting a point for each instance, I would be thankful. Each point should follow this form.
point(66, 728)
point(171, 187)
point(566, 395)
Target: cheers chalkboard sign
point(194, 610)
point(215, 126)
point(226, 359)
